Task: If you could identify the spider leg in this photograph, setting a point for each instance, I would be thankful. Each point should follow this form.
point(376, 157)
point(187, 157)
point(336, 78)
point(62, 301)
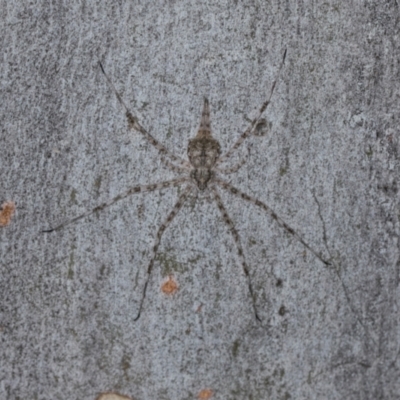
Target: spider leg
point(255, 121)
point(178, 205)
point(232, 169)
point(236, 238)
point(273, 214)
point(173, 167)
point(135, 189)
point(134, 124)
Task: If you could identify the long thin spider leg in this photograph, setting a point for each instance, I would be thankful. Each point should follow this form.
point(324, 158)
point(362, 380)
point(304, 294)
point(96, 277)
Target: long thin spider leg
point(134, 124)
point(178, 205)
point(174, 167)
point(232, 169)
point(236, 238)
point(135, 189)
point(273, 214)
point(256, 120)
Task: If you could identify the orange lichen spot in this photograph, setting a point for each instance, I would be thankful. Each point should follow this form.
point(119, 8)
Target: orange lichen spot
point(205, 394)
point(169, 286)
point(7, 211)
point(112, 396)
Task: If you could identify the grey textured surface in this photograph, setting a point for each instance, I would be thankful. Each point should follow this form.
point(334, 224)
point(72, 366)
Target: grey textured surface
point(328, 164)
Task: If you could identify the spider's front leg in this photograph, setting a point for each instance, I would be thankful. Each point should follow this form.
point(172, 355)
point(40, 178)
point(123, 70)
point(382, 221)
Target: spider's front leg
point(135, 125)
point(255, 121)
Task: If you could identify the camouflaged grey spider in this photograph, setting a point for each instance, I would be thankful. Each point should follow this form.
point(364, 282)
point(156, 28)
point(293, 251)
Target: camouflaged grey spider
point(202, 173)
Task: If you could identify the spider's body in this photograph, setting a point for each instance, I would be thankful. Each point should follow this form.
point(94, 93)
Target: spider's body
point(202, 172)
point(203, 151)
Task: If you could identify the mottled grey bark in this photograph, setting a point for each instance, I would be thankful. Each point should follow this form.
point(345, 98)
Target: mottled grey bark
point(327, 162)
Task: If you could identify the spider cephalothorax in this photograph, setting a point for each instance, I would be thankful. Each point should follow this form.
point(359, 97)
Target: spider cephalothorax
point(202, 172)
point(203, 151)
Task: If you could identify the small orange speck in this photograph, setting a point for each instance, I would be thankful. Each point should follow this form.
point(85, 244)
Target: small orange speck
point(112, 396)
point(169, 286)
point(8, 209)
point(205, 394)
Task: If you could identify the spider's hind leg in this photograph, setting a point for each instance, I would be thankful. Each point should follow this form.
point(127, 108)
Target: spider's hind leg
point(239, 247)
point(178, 205)
point(232, 189)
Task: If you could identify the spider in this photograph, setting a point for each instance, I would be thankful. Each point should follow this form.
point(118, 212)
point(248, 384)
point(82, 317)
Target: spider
point(202, 172)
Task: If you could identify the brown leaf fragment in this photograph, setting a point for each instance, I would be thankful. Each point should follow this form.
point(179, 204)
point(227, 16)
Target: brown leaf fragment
point(7, 211)
point(169, 286)
point(112, 396)
point(205, 394)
